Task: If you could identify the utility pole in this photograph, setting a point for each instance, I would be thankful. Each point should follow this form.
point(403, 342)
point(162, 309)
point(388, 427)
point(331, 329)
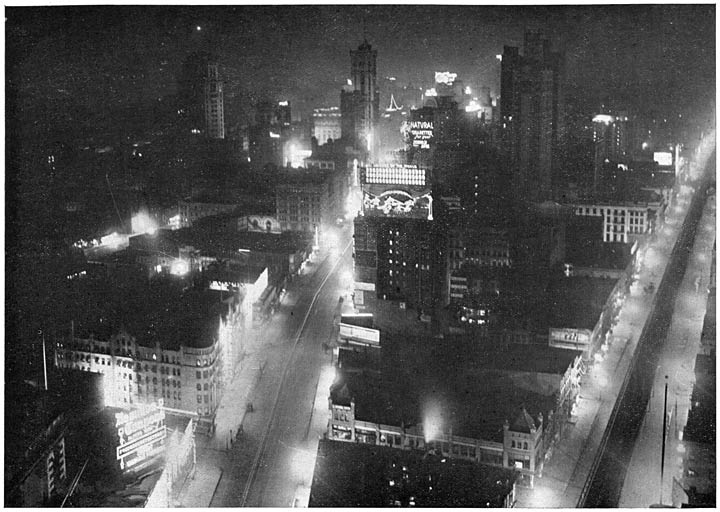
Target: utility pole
point(44, 362)
point(662, 455)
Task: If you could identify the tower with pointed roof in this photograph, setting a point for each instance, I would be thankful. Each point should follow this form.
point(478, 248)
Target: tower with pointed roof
point(522, 444)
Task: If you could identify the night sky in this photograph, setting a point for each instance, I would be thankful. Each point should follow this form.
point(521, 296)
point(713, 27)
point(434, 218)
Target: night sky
point(658, 57)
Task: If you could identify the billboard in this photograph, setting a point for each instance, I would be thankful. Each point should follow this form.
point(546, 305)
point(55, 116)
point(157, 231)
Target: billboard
point(403, 174)
point(663, 158)
point(569, 339)
point(420, 133)
point(141, 434)
point(355, 334)
point(445, 77)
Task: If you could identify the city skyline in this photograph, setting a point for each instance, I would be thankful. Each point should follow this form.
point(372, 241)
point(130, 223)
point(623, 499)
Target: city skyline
point(629, 51)
point(358, 255)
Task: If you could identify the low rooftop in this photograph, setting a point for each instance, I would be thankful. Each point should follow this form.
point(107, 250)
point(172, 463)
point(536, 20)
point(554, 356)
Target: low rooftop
point(358, 475)
point(217, 238)
point(161, 310)
point(477, 389)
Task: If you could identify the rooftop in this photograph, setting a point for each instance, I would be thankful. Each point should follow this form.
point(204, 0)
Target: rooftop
point(477, 389)
point(358, 475)
point(161, 310)
point(571, 302)
point(217, 238)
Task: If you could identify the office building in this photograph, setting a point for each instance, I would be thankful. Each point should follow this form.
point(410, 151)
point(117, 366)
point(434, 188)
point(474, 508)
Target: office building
point(158, 342)
point(327, 124)
point(396, 240)
point(531, 105)
point(201, 94)
point(310, 200)
point(623, 221)
point(360, 101)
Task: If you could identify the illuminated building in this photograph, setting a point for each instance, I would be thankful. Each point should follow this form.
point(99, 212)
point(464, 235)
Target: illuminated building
point(395, 238)
point(309, 200)
point(623, 221)
point(531, 106)
point(201, 91)
point(327, 124)
point(404, 478)
point(360, 105)
point(190, 211)
point(475, 413)
point(237, 242)
point(167, 344)
point(611, 137)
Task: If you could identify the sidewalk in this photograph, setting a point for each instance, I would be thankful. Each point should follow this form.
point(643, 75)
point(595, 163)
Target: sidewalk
point(199, 488)
point(215, 453)
point(566, 471)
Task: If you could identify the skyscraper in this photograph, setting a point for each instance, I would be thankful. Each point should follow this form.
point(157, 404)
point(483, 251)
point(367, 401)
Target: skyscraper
point(201, 96)
point(214, 106)
point(361, 105)
point(532, 114)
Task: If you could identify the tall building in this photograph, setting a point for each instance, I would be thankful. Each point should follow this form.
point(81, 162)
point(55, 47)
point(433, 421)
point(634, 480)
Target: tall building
point(531, 109)
point(201, 96)
point(396, 239)
point(361, 104)
point(327, 124)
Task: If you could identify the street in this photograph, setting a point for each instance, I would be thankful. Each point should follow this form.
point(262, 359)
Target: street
point(279, 376)
point(642, 483)
point(565, 473)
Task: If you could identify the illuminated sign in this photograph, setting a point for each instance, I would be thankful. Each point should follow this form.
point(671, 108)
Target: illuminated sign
point(603, 118)
point(112, 240)
point(394, 175)
point(399, 203)
point(663, 158)
point(420, 132)
point(431, 92)
point(223, 286)
point(141, 432)
point(570, 339)
point(445, 77)
point(175, 222)
point(353, 334)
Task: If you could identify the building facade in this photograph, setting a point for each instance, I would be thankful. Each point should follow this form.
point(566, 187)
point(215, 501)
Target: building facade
point(395, 238)
point(360, 100)
point(179, 355)
point(532, 113)
point(306, 200)
point(623, 222)
point(201, 95)
point(327, 124)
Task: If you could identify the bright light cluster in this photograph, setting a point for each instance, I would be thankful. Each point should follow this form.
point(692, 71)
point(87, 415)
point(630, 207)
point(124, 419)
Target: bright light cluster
point(445, 77)
point(603, 118)
point(395, 175)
